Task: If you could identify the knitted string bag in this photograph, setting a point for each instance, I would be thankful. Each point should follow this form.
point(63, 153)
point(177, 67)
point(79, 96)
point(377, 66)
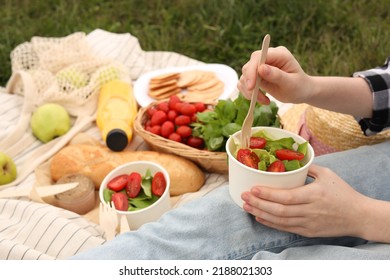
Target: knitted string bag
point(55, 70)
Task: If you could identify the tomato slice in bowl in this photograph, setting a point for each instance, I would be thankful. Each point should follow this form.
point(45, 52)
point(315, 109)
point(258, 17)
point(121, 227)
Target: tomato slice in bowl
point(276, 166)
point(118, 183)
point(158, 184)
point(134, 184)
point(287, 154)
point(257, 143)
point(120, 201)
point(248, 158)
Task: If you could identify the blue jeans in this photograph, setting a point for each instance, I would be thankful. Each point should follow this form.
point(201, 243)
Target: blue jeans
point(214, 227)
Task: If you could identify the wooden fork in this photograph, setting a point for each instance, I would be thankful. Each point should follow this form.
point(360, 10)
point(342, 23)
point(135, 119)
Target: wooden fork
point(108, 219)
point(248, 121)
point(124, 224)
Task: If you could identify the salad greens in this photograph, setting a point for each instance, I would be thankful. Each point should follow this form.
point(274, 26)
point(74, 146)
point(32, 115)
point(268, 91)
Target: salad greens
point(267, 155)
point(227, 117)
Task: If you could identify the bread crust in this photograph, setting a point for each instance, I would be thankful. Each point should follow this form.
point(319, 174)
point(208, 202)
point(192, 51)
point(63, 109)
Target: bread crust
point(96, 162)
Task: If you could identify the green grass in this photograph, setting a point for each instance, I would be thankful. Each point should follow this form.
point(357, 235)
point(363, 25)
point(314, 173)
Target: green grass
point(329, 37)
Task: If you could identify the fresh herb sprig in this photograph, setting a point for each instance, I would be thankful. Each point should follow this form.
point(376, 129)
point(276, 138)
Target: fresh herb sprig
point(215, 126)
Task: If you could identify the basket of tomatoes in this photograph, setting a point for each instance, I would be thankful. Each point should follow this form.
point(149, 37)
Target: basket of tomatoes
point(198, 131)
point(166, 126)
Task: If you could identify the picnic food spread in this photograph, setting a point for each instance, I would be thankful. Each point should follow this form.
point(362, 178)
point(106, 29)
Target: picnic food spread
point(201, 125)
point(180, 118)
point(97, 161)
point(61, 158)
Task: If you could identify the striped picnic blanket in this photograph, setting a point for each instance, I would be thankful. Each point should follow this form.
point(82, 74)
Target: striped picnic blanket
point(32, 230)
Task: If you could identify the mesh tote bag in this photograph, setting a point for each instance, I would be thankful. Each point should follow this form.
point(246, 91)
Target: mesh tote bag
point(54, 70)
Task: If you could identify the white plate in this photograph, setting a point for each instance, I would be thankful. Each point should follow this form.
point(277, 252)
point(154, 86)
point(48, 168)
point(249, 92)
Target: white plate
point(225, 73)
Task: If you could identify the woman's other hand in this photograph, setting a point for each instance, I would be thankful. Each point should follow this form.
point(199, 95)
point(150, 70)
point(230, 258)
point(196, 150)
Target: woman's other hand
point(327, 207)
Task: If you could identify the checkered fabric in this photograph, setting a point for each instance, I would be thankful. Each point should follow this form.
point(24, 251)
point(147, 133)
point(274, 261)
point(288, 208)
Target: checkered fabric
point(379, 82)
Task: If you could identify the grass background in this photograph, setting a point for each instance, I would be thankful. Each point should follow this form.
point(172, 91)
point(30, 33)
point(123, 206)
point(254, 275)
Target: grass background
point(329, 37)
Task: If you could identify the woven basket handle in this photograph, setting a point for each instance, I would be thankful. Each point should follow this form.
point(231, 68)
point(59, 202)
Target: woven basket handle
point(28, 106)
point(20, 138)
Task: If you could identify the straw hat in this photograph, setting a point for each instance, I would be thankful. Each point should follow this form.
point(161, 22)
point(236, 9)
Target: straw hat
point(328, 131)
point(293, 117)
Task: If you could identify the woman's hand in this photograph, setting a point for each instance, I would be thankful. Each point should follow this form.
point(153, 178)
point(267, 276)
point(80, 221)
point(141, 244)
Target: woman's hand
point(327, 207)
point(281, 76)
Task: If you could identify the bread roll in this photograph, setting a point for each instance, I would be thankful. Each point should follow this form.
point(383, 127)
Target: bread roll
point(97, 161)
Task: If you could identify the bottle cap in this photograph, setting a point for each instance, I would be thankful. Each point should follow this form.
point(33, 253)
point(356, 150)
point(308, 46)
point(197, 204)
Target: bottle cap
point(117, 140)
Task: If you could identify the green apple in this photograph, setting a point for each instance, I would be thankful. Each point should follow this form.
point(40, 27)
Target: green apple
point(73, 77)
point(8, 171)
point(49, 121)
point(107, 74)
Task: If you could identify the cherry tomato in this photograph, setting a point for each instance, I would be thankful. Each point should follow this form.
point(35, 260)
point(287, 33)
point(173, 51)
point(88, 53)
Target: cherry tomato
point(188, 109)
point(118, 183)
point(159, 184)
point(195, 142)
point(173, 100)
point(241, 153)
point(249, 159)
point(134, 184)
point(178, 106)
point(167, 128)
point(158, 118)
point(175, 137)
point(156, 129)
point(120, 201)
point(287, 154)
point(182, 120)
point(151, 111)
point(172, 115)
point(257, 142)
point(200, 106)
point(276, 166)
point(184, 131)
point(163, 106)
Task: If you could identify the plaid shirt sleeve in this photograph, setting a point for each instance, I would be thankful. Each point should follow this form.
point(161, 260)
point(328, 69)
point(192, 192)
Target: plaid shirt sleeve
point(378, 80)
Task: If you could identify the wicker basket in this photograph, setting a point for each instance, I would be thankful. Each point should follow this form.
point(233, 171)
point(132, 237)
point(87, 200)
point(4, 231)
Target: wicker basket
point(214, 162)
point(329, 131)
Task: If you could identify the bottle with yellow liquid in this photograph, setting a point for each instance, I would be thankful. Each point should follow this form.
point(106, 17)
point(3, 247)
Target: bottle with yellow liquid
point(116, 112)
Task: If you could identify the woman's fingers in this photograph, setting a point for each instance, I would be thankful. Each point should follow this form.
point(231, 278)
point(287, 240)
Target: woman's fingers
point(279, 206)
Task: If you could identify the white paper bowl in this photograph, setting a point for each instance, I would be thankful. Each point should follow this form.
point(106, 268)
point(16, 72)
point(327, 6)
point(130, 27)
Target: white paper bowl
point(243, 178)
point(150, 213)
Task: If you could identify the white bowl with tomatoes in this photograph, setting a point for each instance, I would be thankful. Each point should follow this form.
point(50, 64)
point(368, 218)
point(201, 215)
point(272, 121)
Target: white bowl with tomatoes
point(276, 158)
point(139, 190)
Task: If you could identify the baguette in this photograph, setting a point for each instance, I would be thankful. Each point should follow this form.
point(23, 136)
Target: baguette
point(97, 161)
